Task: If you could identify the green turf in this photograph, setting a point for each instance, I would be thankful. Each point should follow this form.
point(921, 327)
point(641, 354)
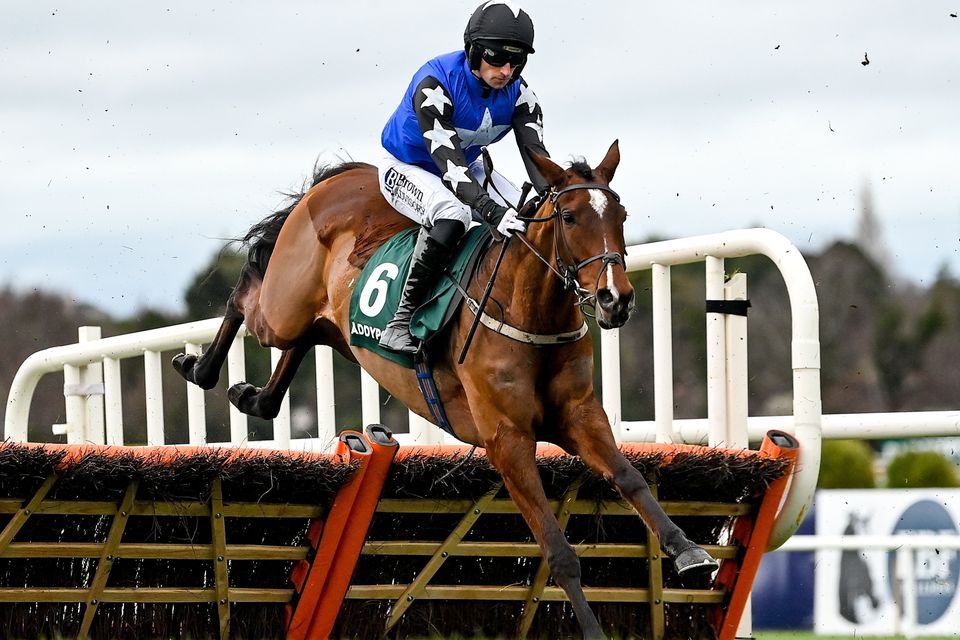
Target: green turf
point(809, 635)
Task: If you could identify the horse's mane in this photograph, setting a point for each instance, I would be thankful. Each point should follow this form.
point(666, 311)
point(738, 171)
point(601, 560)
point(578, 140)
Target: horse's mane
point(262, 237)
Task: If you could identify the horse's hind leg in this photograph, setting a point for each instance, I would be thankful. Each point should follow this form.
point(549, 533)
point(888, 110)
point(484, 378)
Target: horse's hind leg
point(591, 439)
point(265, 402)
point(204, 371)
point(514, 456)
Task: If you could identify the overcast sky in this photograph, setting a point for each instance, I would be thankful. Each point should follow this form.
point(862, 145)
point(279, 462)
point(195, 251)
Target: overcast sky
point(134, 136)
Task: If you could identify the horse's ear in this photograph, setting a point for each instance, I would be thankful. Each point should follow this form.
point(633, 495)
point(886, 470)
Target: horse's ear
point(551, 171)
point(608, 166)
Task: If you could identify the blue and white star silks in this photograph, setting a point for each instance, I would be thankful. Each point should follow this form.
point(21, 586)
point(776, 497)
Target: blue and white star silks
point(527, 97)
point(455, 175)
point(436, 98)
point(509, 5)
point(537, 127)
point(445, 88)
point(439, 137)
point(447, 115)
point(483, 135)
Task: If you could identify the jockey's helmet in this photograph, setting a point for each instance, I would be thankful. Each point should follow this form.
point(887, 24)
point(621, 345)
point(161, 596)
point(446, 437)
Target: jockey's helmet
point(499, 32)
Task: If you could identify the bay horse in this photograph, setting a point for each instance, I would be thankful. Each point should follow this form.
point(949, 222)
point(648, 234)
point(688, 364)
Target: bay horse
point(506, 395)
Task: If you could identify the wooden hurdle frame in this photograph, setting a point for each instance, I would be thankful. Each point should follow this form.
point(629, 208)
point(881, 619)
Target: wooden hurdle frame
point(321, 579)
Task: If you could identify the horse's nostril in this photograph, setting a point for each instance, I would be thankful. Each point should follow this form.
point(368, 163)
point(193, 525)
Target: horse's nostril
point(605, 298)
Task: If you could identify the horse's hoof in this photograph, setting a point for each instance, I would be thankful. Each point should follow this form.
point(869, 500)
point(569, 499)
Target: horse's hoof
point(184, 364)
point(695, 562)
point(187, 365)
point(243, 396)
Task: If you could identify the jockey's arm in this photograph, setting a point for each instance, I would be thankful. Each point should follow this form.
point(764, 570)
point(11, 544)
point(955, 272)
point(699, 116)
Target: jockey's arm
point(435, 115)
point(528, 129)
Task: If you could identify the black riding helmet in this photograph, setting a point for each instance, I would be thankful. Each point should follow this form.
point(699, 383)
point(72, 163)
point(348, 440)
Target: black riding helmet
point(499, 26)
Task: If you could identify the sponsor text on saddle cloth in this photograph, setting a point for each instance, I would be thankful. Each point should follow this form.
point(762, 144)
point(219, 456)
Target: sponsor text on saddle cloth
point(377, 293)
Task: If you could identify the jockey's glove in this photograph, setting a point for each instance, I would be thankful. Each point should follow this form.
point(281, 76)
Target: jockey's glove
point(504, 219)
point(509, 223)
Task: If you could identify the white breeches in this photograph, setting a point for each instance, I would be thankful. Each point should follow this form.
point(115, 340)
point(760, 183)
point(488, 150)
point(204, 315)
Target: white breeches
point(424, 198)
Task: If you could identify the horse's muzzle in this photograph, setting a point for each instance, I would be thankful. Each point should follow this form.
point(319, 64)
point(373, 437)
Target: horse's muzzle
point(613, 308)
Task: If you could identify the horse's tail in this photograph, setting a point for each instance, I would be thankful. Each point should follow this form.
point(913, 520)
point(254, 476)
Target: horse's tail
point(262, 237)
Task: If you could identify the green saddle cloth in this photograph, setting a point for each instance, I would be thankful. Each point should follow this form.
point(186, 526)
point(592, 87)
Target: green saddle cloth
point(376, 294)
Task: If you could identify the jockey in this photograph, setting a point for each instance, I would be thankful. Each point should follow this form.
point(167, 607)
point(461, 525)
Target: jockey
point(456, 104)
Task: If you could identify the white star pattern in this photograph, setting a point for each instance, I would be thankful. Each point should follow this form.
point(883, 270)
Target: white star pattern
point(538, 127)
point(435, 98)
point(455, 175)
point(527, 97)
point(514, 8)
point(486, 133)
point(439, 137)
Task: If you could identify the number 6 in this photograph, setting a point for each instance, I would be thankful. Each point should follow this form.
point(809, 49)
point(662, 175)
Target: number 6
point(374, 294)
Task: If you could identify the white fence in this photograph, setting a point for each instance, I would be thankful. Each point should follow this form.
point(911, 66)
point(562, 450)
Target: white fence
point(91, 371)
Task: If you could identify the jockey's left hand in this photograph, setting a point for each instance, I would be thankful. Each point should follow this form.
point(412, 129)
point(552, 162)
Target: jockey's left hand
point(509, 223)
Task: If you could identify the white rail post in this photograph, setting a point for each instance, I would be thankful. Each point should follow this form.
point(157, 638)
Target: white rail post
point(74, 411)
point(610, 378)
point(736, 351)
point(237, 372)
point(196, 405)
point(281, 424)
point(735, 332)
point(905, 573)
point(83, 397)
point(153, 381)
point(326, 403)
point(92, 389)
point(113, 400)
point(662, 352)
point(369, 399)
point(716, 356)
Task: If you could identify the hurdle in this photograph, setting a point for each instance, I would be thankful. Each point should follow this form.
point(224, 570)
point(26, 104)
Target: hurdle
point(232, 543)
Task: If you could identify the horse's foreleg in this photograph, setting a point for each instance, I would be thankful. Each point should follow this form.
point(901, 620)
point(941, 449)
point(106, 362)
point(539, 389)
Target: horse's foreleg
point(514, 456)
point(265, 402)
point(589, 436)
point(204, 371)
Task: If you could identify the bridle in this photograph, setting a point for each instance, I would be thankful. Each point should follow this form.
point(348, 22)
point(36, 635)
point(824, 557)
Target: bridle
point(569, 273)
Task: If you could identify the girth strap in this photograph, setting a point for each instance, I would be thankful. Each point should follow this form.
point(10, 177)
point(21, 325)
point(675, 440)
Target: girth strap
point(520, 335)
point(428, 388)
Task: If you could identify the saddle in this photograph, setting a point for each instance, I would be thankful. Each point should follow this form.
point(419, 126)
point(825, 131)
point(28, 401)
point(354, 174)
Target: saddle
point(376, 293)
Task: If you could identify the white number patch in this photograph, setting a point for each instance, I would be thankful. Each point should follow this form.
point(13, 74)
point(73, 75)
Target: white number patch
point(374, 294)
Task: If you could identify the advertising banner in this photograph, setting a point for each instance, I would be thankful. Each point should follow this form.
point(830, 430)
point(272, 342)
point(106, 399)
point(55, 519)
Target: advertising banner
point(856, 591)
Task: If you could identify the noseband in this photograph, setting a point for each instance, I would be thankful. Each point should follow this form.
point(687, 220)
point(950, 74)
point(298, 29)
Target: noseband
point(569, 273)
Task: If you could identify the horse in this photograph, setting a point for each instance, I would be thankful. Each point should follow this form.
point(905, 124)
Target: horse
point(506, 395)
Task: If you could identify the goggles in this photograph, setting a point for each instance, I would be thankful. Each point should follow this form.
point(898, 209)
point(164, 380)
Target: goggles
point(496, 57)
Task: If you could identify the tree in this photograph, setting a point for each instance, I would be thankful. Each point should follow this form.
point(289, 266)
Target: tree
point(209, 289)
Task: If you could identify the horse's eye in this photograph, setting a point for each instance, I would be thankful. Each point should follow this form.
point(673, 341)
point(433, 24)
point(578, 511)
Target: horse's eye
point(567, 217)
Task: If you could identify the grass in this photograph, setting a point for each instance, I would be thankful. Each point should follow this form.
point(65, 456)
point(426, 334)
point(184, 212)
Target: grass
point(809, 635)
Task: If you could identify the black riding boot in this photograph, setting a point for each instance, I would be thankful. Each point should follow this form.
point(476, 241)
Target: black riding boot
point(430, 256)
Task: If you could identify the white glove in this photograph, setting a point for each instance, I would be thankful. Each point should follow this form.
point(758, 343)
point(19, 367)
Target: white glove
point(509, 224)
